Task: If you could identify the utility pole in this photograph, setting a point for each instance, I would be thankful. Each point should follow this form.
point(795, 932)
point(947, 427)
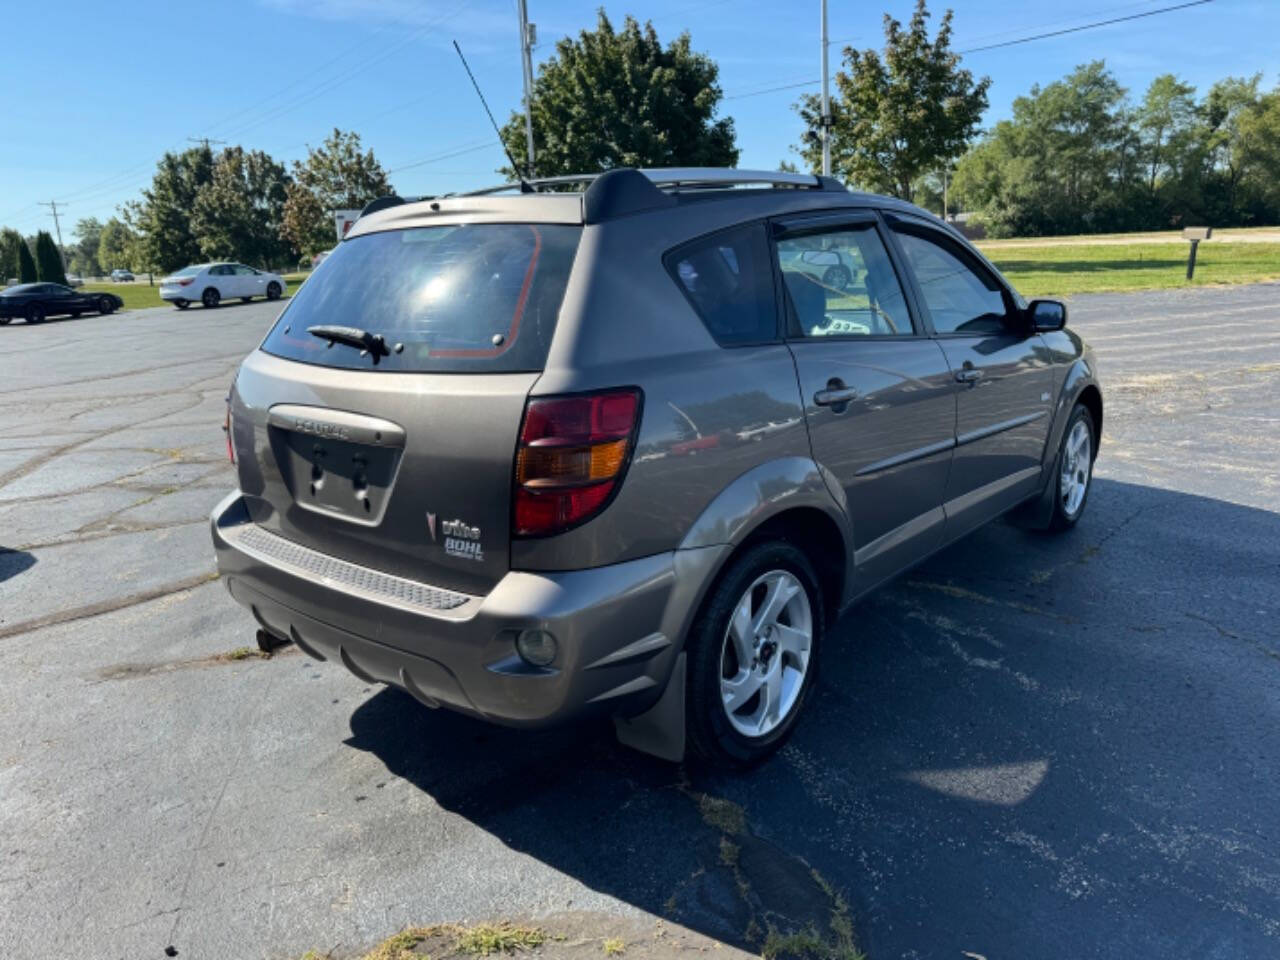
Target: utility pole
point(206, 141)
point(528, 39)
point(53, 205)
point(826, 99)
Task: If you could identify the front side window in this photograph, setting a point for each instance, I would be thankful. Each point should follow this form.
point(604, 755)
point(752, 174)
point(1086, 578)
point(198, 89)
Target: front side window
point(728, 278)
point(243, 271)
point(961, 297)
point(841, 283)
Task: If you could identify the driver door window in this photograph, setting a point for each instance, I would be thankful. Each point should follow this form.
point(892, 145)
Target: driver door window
point(841, 283)
point(960, 296)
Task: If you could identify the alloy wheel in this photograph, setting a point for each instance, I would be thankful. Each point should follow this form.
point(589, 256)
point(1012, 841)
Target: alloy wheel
point(765, 653)
point(1077, 461)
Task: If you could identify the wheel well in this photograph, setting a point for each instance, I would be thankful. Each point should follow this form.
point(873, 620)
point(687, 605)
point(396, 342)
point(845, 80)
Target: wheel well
point(1091, 397)
point(818, 536)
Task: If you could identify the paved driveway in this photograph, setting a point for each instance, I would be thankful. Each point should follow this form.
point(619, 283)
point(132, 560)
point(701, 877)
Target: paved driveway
point(1029, 747)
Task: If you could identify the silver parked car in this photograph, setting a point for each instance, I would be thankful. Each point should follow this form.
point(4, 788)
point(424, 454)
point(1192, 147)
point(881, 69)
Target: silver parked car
point(535, 455)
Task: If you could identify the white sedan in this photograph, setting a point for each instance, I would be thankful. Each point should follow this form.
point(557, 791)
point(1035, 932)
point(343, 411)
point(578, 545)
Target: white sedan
point(211, 283)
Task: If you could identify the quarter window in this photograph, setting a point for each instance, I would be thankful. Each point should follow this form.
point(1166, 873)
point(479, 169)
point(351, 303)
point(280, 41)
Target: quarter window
point(960, 296)
point(728, 278)
point(841, 283)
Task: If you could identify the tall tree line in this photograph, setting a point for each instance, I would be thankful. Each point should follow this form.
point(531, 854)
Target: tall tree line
point(1079, 156)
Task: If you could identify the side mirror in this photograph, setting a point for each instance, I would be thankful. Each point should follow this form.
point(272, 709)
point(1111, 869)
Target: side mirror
point(1045, 316)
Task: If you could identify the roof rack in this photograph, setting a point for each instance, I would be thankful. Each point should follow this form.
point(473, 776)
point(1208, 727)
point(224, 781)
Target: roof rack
point(675, 178)
point(625, 190)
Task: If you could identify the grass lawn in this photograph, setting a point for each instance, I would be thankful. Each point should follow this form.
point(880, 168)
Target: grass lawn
point(1056, 271)
point(138, 296)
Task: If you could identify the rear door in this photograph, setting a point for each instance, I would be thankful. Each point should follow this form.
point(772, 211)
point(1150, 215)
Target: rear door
point(1003, 374)
point(878, 394)
point(401, 458)
point(249, 282)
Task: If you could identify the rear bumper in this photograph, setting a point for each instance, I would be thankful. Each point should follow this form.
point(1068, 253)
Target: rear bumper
point(176, 293)
point(619, 627)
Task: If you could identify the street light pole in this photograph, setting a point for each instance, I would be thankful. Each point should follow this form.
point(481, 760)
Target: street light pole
point(527, 40)
point(826, 100)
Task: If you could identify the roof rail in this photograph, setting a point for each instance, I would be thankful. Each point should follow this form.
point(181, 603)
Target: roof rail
point(684, 177)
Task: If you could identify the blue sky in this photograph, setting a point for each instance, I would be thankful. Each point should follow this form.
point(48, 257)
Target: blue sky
point(102, 90)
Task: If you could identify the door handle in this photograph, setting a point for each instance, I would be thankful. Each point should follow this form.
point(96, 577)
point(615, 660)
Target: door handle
point(969, 375)
point(836, 393)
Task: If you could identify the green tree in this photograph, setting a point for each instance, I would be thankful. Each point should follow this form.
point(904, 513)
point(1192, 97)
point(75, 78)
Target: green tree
point(238, 213)
point(1165, 120)
point(162, 218)
point(620, 99)
point(49, 267)
point(26, 264)
point(337, 175)
point(10, 240)
point(1065, 162)
point(84, 254)
point(115, 246)
point(898, 117)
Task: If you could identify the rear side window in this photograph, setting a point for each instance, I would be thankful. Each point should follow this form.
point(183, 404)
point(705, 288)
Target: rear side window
point(728, 277)
point(463, 298)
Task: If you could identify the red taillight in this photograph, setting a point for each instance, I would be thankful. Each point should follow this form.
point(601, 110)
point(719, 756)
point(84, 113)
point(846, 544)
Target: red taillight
point(573, 451)
point(183, 283)
point(226, 428)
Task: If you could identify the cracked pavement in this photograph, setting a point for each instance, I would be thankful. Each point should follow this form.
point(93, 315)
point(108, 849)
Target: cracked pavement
point(1030, 746)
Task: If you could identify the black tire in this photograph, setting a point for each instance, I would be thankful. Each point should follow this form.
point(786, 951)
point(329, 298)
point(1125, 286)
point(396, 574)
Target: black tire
point(273, 291)
point(1067, 512)
point(5, 321)
point(106, 305)
point(182, 304)
point(712, 737)
point(35, 313)
point(210, 297)
point(838, 277)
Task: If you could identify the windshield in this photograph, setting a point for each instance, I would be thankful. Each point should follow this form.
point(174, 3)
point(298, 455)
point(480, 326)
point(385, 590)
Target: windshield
point(17, 289)
point(480, 297)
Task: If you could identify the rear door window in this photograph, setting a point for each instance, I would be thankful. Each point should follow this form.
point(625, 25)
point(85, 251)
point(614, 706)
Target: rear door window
point(728, 277)
point(470, 297)
point(841, 283)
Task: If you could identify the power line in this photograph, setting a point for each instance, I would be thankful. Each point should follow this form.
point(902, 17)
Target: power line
point(1087, 26)
point(992, 46)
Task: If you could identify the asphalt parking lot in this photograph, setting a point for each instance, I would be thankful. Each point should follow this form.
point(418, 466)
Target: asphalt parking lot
point(1029, 747)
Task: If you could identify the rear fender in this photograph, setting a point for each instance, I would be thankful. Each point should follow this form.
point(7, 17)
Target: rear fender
point(764, 492)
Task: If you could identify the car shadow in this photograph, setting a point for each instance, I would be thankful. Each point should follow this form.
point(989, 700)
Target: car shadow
point(14, 562)
point(1031, 745)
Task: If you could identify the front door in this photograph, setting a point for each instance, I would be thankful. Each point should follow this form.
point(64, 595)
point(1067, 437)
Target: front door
point(1003, 375)
point(879, 398)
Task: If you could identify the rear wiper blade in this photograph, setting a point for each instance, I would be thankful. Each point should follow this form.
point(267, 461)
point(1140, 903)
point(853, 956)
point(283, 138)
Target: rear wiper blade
point(362, 340)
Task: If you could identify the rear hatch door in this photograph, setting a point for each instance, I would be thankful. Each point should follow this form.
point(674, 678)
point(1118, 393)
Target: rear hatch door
point(395, 451)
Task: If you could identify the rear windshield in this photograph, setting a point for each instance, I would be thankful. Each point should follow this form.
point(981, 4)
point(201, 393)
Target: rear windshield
point(474, 297)
point(184, 272)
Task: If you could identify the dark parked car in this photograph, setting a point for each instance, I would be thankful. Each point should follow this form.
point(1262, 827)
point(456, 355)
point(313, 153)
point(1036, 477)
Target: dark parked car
point(121, 276)
point(35, 301)
point(536, 455)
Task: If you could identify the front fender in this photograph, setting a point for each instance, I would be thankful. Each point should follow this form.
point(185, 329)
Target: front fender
point(1082, 373)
